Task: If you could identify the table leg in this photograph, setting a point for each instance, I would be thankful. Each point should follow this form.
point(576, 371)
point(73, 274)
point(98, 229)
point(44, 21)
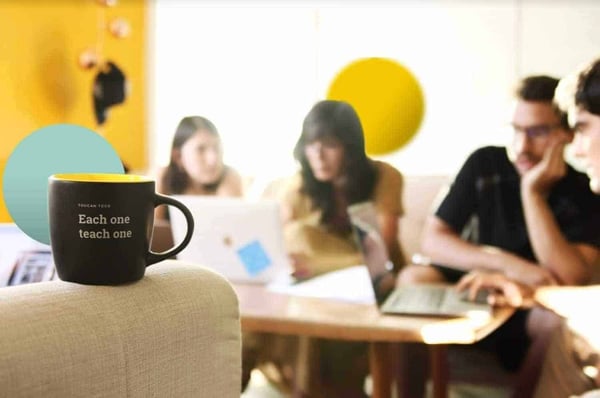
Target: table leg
point(381, 364)
point(439, 370)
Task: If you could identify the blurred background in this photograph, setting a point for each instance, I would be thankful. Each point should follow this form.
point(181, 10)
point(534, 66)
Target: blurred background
point(255, 68)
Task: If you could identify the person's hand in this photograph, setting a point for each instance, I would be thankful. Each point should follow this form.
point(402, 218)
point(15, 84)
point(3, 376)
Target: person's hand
point(300, 264)
point(502, 290)
point(541, 177)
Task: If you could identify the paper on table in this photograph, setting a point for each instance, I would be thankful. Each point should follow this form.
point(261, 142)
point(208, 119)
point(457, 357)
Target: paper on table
point(351, 284)
point(569, 301)
point(573, 303)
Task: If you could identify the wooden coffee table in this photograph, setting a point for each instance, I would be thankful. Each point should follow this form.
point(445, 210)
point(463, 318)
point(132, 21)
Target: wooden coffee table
point(263, 310)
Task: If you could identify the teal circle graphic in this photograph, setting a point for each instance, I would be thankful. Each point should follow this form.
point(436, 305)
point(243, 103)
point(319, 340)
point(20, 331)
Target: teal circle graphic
point(59, 148)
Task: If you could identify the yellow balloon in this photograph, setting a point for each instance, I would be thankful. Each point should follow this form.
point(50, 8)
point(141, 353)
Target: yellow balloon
point(387, 98)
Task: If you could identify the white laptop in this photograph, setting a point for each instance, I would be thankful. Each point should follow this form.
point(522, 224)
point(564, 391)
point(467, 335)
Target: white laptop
point(418, 299)
point(23, 259)
point(240, 239)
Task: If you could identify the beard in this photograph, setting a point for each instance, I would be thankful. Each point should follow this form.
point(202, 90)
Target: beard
point(518, 160)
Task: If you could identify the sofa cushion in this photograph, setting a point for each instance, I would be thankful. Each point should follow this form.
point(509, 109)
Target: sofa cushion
point(174, 333)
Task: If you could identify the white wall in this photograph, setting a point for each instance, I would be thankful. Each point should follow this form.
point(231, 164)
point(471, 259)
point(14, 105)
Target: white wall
point(255, 68)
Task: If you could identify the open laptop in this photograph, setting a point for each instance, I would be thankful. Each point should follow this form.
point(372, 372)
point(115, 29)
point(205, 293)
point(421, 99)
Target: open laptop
point(421, 299)
point(241, 240)
point(23, 259)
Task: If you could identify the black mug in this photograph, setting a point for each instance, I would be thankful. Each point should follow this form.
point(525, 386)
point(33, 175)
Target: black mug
point(101, 226)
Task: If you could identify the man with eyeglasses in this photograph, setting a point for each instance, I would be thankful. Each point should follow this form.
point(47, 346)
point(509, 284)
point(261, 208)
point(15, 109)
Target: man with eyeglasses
point(572, 363)
point(521, 211)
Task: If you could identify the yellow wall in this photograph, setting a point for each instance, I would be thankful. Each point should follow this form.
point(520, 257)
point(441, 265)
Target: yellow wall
point(41, 82)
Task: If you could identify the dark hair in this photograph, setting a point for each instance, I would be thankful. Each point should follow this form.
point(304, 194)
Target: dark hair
point(175, 180)
point(541, 89)
point(339, 120)
point(587, 92)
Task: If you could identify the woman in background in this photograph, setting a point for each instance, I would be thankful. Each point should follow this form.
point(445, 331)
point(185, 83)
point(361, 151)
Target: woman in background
point(196, 165)
point(335, 173)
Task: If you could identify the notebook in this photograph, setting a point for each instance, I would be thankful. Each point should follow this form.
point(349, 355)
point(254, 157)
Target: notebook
point(241, 240)
point(421, 299)
point(23, 259)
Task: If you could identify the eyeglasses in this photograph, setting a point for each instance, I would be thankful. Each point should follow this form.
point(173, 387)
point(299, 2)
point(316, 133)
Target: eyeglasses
point(538, 132)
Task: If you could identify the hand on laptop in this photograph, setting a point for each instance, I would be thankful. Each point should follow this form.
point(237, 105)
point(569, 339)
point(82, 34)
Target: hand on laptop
point(502, 290)
point(301, 268)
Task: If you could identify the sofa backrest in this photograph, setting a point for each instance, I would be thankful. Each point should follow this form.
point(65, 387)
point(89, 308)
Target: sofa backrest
point(174, 333)
point(419, 198)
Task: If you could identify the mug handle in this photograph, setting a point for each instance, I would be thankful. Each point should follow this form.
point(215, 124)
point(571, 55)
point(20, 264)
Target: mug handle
point(165, 200)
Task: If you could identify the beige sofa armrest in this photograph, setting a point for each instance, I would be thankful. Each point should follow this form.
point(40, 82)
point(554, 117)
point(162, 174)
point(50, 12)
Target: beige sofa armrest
point(174, 333)
point(419, 198)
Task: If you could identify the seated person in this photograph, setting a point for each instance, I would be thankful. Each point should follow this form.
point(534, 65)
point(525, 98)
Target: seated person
point(196, 165)
point(335, 172)
point(532, 223)
point(569, 353)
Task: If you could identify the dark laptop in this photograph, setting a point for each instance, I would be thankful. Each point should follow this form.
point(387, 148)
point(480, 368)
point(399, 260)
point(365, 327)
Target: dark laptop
point(421, 299)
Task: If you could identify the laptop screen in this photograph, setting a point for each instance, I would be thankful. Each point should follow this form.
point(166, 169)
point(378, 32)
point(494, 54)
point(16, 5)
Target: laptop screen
point(242, 240)
point(363, 219)
point(22, 259)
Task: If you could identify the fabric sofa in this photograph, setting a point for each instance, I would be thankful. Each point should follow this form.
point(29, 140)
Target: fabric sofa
point(175, 333)
point(419, 197)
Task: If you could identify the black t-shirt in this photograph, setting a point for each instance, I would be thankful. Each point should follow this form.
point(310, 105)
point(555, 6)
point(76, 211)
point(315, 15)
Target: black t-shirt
point(484, 204)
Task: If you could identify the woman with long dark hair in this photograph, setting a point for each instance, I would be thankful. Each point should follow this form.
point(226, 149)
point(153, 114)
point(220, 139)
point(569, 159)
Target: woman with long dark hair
point(335, 172)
